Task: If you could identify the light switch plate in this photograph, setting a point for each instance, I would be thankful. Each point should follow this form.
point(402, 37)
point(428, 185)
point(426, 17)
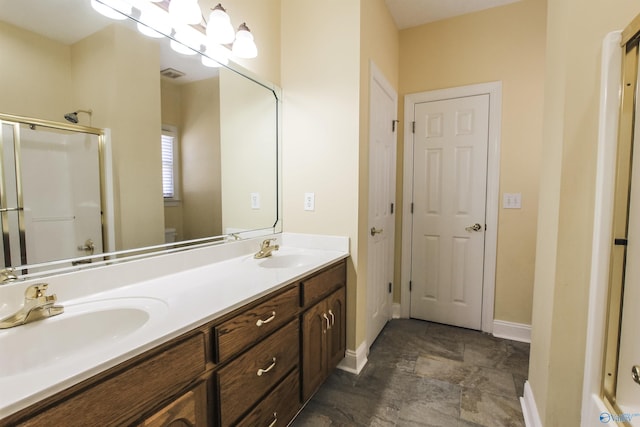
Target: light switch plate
point(512, 201)
point(309, 201)
point(255, 200)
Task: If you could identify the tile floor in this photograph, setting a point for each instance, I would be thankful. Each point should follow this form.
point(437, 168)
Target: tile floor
point(426, 374)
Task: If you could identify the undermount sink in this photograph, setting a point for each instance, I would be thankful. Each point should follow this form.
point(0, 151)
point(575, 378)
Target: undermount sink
point(82, 328)
point(286, 261)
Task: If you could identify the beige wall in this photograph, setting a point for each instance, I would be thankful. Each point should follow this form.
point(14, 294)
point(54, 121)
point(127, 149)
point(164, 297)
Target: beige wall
point(115, 73)
point(248, 146)
point(200, 152)
point(263, 19)
point(502, 44)
point(321, 81)
point(567, 202)
point(379, 43)
point(35, 77)
point(171, 107)
point(46, 79)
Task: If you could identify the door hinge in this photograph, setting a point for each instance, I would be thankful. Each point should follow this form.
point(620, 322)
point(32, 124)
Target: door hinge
point(393, 125)
point(410, 286)
point(391, 207)
point(413, 127)
point(390, 287)
point(411, 207)
point(620, 242)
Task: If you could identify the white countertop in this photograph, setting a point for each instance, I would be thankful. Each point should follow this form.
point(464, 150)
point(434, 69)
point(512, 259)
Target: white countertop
point(174, 302)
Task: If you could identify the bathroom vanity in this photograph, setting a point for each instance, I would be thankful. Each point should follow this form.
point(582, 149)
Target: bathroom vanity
point(251, 360)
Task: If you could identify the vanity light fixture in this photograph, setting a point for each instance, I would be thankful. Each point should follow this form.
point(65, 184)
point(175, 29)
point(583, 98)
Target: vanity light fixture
point(244, 46)
point(219, 28)
point(185, 11)
point(182, 21)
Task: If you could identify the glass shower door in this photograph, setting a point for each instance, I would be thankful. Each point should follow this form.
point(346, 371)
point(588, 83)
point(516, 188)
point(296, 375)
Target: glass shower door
point(50, 194)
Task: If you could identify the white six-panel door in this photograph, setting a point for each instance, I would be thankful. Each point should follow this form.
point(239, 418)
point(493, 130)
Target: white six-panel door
point(449, 196)
point(382, 179)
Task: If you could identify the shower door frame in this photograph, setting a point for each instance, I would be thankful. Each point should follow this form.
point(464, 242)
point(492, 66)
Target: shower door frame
point(15, 122)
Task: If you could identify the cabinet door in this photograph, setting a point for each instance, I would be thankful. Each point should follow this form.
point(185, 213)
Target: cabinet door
point(314, 352)
point(336, 335)
point(188, 410)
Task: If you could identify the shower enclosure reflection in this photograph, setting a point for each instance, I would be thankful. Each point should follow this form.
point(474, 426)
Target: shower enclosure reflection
point(50, 190)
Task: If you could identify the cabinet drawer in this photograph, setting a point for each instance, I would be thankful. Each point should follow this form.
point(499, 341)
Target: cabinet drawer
point(320, 285)
point(248, 377)
point(253, 324)
point(125, 394)
point(279, 407)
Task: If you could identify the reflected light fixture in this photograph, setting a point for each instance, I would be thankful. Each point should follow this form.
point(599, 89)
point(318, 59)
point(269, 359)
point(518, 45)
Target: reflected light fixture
point(244, 46)
point(185, 11)
point(215, 55)
point(183, 44)
point(114, 9)
point(154, 22)
point(219, 28)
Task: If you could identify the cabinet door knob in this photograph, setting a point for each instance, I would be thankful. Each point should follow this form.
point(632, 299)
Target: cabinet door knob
point(261, 322)
point(267, 369)
point(333, 318)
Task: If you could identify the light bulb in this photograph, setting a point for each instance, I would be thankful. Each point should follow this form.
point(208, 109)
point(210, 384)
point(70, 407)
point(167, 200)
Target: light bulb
point(154, 23)
point(219, 28)
point(187, 41)
point(185, 11)
point(244, 46)
point(215, 55)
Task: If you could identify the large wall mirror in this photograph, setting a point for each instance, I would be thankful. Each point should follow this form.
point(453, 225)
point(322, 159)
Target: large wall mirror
point(126, 98)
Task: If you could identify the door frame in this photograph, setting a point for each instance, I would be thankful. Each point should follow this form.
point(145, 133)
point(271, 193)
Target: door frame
point(376, 76)
point(494, 90)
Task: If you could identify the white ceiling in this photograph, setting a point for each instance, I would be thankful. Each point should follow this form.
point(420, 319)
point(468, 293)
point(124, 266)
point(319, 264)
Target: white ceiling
point(411, 13)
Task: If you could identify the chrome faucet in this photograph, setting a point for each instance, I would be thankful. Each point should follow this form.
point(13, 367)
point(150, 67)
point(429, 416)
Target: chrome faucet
point(266, 248)
point(37, 306)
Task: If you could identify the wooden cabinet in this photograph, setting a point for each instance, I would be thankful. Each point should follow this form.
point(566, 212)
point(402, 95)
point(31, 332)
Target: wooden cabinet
point(248, 368)
point(122, 394)
point(188, 410)
point(323, 329)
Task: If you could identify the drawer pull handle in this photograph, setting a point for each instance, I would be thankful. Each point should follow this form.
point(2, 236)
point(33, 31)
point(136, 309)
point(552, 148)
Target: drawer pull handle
point(328, 321)
point(270, 367)
point(333, 318)
point(261, 322)
point(275, 419)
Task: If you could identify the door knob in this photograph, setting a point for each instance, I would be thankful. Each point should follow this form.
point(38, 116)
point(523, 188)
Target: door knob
point(374, 231)
point(474, 227)
point(635, 373)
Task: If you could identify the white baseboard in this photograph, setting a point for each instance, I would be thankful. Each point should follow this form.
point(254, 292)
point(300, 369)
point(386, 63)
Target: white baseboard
point(512, 331)
point(354, 361)
point(529, 408)
point(396, 310)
